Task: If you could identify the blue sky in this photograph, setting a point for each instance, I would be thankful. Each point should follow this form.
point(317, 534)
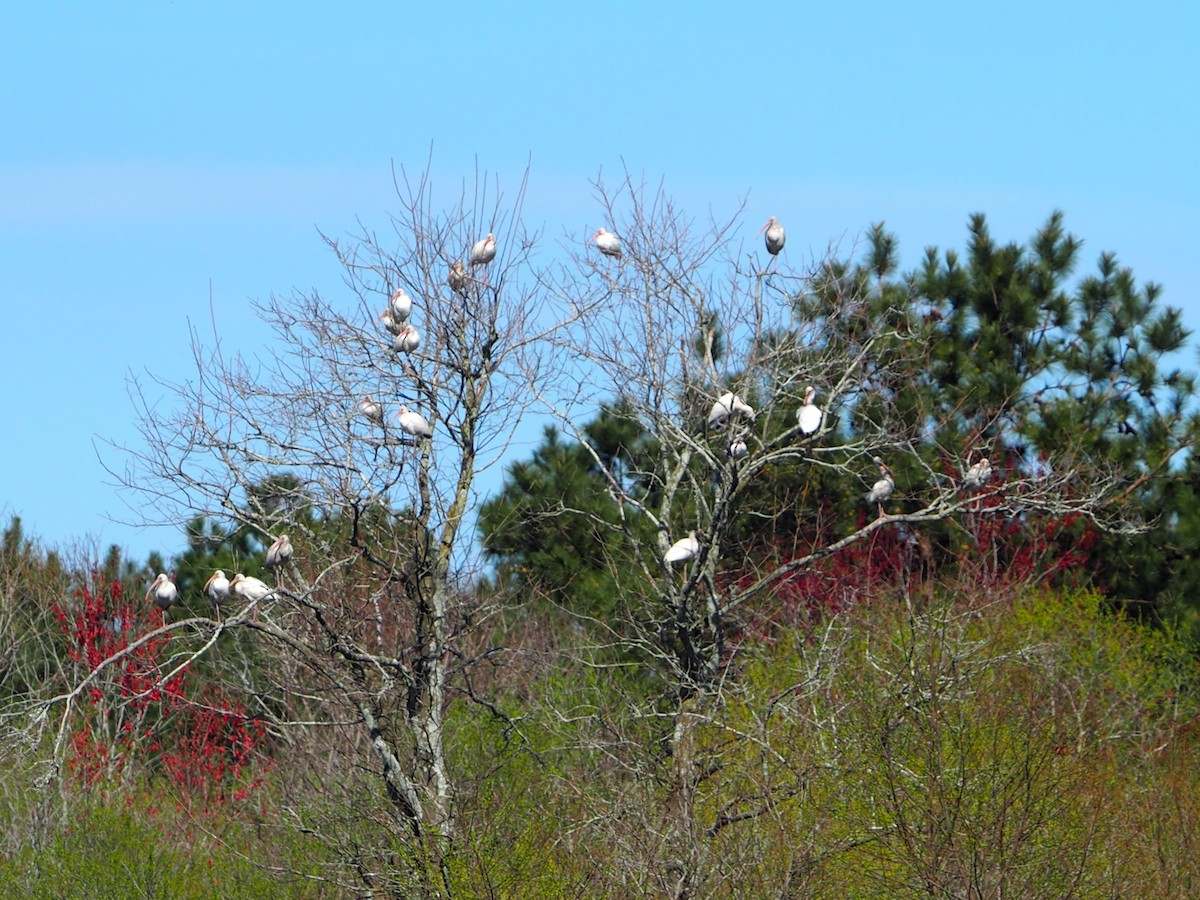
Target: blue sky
point(155, 155)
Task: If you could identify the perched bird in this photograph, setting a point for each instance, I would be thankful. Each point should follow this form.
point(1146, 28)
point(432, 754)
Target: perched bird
point(728, 404)
point(389, 321)
point(414, 423)
point(371, 409)
point(279, 553)
point(738, 449)
point(607, 243)
point(683, 550)
point(978, 474)
point(165, 593)
point(400, 306)
point(809, 415)
point(252, 590)
point(484, 251)
point(407, 340)
point(458, 279)
point(217, 588)
point(882, 489)
point(775, 236)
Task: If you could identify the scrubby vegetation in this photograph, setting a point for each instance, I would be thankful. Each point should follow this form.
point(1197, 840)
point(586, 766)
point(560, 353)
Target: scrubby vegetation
point(961, 740)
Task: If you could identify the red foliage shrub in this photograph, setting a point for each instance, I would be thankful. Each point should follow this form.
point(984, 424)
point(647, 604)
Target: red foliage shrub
point(989, 552)
point(133, 720)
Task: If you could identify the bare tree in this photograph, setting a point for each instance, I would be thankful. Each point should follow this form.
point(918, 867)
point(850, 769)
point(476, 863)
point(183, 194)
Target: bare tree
point(700, 341)
point(366, 625)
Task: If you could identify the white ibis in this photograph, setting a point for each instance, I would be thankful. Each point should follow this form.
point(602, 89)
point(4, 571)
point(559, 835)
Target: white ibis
point(978, 474)
point(165, 594)
point(683, 550)
point(371, 409)
point(400, 306)
point(389, 321)
point(728, 404)
point(484, 251)
point(809, 415)
point(738, 449)
point(253, 590)
point(882, 489)
point(280, 552)
point(458, 279)
point(249, 588)
point(414, 423)
point(774, 235)
point(407, 340)
point(217, 588)
point(607, 243)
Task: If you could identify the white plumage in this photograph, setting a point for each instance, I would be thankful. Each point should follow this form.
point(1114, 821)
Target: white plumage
point(164, 593)
point(251, 589)
point(978, 474)
point(738, 449)
point(607, 242)
point(883, 488)
point(400, 306)
point(407, 340)
point(389, 322)
point(774, 235)
point(280, 552)
point(728, 404)
point(414, 423)
point(683, 550)
point(484, 251)
point(809, 415)
point(217, 588)
point(371, 409)
point(458, 279)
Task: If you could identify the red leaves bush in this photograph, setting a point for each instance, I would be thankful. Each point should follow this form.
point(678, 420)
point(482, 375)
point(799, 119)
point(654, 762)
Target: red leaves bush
point(984, 554)
point(133, 722)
